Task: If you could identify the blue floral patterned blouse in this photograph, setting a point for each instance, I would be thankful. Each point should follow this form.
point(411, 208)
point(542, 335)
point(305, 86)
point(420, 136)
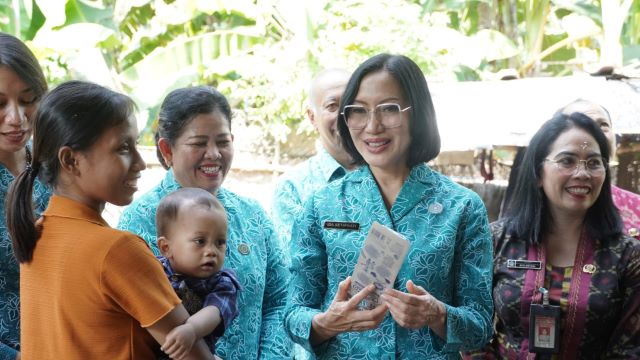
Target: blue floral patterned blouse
point(450, 256)
point(292, 191)
point(254, 253)
point(10, 271)
point(295, 187)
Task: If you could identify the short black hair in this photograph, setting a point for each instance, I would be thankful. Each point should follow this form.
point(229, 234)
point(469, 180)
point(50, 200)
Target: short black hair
point(181, 106)
point(171, 204)
point(528, 216)
point(423, 128)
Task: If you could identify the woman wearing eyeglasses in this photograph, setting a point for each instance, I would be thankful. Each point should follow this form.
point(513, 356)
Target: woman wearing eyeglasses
point(440, 302)
point(627, 203)
point(566, 281)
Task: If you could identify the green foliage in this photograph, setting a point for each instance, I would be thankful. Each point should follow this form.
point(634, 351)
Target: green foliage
point(631, 28)
point(54, 66)
point(23, 22)
point(262, 56)
point(79, 11)
point(580, 7)
point(536, 13)
point(200, 23)
point(137, 17)
point(563, 54)
point(37, 20)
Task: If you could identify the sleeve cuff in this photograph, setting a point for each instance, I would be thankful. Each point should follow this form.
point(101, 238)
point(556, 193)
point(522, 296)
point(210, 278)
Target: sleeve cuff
point(301, 331)
point(453, 343)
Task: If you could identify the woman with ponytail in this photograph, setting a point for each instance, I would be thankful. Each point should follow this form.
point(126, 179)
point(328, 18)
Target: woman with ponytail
point(81, 280)
point(22, 85)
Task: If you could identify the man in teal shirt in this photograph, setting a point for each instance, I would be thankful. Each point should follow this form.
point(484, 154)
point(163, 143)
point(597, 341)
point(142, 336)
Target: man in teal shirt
point(330, 163)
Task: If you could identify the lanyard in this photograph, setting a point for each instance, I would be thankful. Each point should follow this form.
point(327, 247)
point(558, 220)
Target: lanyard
point(577, 301)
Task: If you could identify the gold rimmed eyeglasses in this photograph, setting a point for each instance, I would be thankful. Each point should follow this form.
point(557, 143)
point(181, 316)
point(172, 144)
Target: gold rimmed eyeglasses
point(357, 116)
point(569, 165)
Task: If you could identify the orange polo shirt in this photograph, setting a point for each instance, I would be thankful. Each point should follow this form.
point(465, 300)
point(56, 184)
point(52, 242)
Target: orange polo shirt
point(90, 290)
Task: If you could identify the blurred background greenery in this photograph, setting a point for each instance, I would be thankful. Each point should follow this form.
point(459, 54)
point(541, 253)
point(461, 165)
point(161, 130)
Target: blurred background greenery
point(262, 54)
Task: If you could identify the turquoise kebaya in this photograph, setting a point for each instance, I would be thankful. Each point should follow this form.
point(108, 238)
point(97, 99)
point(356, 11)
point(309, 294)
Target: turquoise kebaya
point(295, 187)
point(450, 256)
point(254, 253)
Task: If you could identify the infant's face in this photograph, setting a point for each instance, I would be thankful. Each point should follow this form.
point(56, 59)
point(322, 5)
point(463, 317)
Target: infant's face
point(198, 241)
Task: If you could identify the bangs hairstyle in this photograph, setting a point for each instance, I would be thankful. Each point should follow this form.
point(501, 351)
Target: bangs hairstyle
point(170, 206)
point(15, 55)
point(183, 105)
point(423, 128)
point(528, 215)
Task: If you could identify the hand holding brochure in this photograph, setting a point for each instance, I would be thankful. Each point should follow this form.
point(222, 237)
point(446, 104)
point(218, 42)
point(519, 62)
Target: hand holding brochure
point(380, 260)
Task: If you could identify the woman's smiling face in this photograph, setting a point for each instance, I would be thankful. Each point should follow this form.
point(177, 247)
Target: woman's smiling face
point(18, 102)
point(575, 192)
point(201, 156)
point(382, 148)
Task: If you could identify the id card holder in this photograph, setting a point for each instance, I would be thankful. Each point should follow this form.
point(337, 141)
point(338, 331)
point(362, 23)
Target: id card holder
point(544, 328)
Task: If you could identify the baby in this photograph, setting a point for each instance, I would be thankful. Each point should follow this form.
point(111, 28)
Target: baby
point(192, 237)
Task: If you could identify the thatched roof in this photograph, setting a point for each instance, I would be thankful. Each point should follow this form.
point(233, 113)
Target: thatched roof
point(487, 113)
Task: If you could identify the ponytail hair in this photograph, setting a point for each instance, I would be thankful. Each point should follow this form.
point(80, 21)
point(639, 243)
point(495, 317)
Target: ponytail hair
point(75, 114)
point(21, 211)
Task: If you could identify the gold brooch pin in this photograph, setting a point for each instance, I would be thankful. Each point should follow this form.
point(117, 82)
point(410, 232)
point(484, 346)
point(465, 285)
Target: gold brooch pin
point(589, 268)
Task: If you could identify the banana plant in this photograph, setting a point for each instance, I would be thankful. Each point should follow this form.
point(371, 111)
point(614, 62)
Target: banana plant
point(21, 18)
point(128, 44)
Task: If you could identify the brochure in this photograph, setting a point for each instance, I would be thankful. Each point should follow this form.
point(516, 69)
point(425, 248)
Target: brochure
point(380, 259)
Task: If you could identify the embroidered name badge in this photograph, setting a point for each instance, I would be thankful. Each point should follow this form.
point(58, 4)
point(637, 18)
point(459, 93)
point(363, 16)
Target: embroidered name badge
point(341, 225)
point(524, 264)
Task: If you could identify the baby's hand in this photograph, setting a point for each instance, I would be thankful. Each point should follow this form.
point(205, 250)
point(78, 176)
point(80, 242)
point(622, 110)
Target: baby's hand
point(179, 341)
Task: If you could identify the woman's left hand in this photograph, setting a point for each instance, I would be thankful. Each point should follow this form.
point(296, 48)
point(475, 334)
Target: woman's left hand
point(416, 309)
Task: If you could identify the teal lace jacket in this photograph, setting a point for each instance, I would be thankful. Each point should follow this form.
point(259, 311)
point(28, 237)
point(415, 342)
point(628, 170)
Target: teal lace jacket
point(253, 251)
point(450, 256)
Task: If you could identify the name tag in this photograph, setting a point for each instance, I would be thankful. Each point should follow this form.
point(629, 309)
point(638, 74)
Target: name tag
point(544, 329)
point(341, 225)
point(524, 264)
